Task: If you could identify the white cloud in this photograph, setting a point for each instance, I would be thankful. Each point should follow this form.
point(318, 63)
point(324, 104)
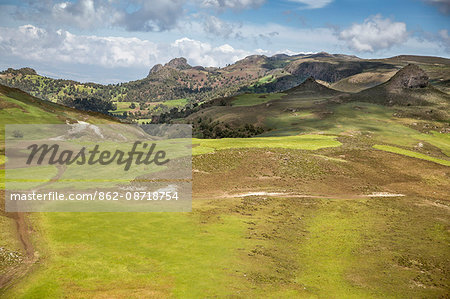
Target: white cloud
point(204, 54)
point(40, 45)
point(132, 15)
point(216, 27)
point(231, 4)
point(37, 44)
point(313, 4)
point(115, 59)
point(269, 36)
point(154, 15)
point(374, 34)
point(84, 14)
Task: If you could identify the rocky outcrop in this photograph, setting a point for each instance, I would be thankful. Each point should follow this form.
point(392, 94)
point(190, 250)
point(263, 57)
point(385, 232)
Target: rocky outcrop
point(411, 76)
point(178, 63)
point(408, 87)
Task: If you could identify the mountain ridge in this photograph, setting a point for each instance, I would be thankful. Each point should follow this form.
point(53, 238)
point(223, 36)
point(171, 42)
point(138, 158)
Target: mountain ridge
point(176, 80)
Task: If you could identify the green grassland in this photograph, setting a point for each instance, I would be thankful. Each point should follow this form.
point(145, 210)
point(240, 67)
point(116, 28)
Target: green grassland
point(264, 80)
point(23, 179)
point(17, 107)
point(144, 120)
point(306, 142)
point(254, 246)
point(343, 238)
point(178, 103)
point(157, 255)
point(31, 113)
point(409, 153)
point(123, 106)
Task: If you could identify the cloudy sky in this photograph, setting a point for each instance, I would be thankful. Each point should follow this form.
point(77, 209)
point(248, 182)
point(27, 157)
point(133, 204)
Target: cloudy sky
point(109, 41)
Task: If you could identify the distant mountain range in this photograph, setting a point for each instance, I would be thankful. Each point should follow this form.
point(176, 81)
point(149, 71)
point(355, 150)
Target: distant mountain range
point(312, 106)
point(177, 84)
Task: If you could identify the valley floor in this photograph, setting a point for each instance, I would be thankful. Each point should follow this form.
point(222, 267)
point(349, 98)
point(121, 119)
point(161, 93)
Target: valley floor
point(341, 219)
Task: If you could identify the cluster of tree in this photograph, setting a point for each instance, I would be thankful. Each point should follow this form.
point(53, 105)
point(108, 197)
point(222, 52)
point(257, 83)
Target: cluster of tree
point(89, 104)
point(208, 129)
point(174, 113)
point(56, 90)
point(156, 90)
point(279, 84)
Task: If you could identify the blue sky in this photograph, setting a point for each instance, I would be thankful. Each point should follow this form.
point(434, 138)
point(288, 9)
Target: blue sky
point(111, 41)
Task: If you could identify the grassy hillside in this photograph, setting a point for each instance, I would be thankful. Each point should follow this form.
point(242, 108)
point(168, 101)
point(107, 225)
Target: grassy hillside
point(18, 107)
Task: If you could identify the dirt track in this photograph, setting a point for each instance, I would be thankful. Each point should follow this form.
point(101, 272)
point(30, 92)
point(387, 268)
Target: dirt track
point(24, 236)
